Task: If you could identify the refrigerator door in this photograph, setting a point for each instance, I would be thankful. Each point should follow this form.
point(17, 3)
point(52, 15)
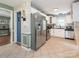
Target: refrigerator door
point(38, 31)
point(38, 34)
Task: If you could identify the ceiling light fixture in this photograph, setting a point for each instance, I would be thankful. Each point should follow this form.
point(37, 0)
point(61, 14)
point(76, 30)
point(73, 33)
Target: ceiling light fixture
point(55, 9)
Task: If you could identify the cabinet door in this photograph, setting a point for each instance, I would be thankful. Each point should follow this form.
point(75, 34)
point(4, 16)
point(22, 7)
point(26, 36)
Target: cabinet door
point(59, 33)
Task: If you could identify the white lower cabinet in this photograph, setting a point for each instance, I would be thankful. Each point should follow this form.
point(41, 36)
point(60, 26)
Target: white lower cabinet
point(57, 33)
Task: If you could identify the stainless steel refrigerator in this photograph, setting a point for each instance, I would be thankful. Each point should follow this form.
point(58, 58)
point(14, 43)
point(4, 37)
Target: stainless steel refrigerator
point(38, 30)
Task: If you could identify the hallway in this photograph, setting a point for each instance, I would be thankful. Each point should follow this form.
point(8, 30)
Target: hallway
point(54, 47)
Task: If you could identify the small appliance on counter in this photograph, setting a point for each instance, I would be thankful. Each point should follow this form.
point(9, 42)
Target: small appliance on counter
point(49, 26)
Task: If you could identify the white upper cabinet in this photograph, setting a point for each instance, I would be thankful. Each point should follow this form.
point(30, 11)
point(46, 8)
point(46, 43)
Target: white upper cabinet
point(75, 11)
point(54, 20)
point(68, 19)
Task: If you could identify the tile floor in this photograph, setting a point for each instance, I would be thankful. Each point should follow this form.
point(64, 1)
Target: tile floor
point(54, 48)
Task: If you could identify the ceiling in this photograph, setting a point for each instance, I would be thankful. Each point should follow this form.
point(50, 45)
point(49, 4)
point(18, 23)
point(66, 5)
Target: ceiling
point(12, 3)
point(48, 6)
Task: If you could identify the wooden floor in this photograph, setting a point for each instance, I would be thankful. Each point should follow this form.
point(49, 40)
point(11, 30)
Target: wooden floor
point(4, 39)
point(54, 48)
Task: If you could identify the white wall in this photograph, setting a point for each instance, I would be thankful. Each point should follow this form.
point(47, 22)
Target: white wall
point(76, 11)
point(25, 25)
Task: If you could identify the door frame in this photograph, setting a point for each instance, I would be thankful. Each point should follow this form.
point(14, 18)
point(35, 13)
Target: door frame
point(15, 23)
point(11, 24)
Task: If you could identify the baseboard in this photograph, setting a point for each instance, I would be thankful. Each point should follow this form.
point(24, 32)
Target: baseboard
point(27, 49)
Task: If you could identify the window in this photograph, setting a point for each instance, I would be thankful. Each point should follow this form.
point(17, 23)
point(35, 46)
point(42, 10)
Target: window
point(61, 20)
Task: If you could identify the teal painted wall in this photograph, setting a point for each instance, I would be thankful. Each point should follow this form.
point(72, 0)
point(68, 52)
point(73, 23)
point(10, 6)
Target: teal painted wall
point(6, 6)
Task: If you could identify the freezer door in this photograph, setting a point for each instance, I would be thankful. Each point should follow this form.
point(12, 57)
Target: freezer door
point(39, 40)
point(44, 30)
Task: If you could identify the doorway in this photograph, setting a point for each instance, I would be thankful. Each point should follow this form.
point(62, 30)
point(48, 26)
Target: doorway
point(6, 26)
point(19, 27)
